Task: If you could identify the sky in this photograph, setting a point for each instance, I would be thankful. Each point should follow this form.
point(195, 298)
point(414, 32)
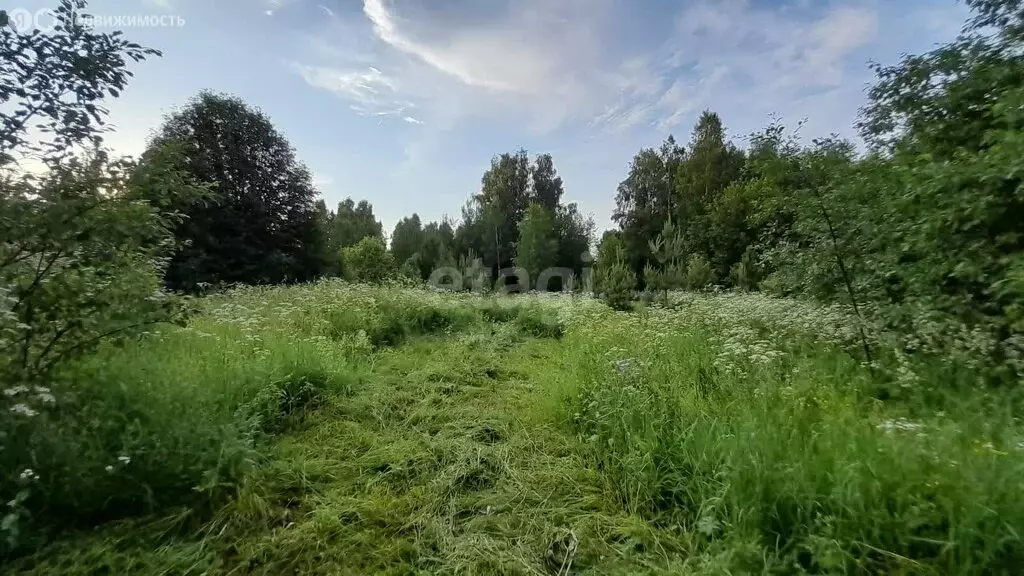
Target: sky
point(404, 102)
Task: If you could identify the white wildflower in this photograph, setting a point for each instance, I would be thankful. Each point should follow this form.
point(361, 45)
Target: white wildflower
point(23, 410)
point(44, 395)
point(15, 390)
point(900, 424)
point(28, 475)
point(124, 460)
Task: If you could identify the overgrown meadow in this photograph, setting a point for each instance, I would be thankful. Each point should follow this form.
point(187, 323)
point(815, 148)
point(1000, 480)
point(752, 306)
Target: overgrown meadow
point(339, 428)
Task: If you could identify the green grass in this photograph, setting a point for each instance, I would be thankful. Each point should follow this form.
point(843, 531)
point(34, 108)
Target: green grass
point(345, 429)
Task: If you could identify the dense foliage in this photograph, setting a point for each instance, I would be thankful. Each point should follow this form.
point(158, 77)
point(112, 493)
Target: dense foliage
point(259, 226)
point(81, 252)
point(922, 235)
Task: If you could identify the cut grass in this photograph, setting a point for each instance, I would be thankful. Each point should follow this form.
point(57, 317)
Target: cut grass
point(443, 461)
point(535, 435)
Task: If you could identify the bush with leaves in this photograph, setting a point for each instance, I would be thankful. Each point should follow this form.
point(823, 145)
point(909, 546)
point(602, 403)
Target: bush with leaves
point(368, 261)
point(81, 253)
point(411, 267)
point(698, 273)
point(744, 274)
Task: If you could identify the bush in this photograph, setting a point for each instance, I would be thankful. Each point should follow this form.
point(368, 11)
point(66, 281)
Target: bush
point(368, 261)
point(698, 273)
point(411, 268)
point(619, 284)
point(744, 274)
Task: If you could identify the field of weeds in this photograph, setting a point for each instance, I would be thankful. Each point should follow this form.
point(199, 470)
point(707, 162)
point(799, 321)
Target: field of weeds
point(342, 429)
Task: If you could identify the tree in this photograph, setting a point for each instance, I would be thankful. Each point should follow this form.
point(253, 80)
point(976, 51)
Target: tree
point(611, 250)
point(411, 268)
point(407, 238)
point(80, 254)
point(643, 201)
point(368, 261)
point(502, 201)
point(712, 164)
point(537, 249)
point(950, 121)
point(698, 273)
point(256, 228)
point(619, 283)
point(352, 222)
point(547, 185)
point(436, 249)
point(669, 251)
point(575, 234)
point(490, 224)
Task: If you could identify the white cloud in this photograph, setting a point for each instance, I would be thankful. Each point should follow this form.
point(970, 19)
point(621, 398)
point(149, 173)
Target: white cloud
point(540, 65)
point(369, 91)
point(537, 59)
point(498, 57)
point(727, 51)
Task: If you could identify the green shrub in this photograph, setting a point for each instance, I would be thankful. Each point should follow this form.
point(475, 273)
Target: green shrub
point(744, 274)
point(698, 273)
point(368, 261)
point(619, 285)
point(411, 267)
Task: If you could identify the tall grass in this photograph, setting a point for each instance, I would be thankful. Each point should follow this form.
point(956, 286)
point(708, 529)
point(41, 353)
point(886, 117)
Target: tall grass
point(771, 452)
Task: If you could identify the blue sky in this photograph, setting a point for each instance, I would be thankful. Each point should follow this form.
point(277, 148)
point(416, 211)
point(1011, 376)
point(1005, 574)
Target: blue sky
point(404, 102)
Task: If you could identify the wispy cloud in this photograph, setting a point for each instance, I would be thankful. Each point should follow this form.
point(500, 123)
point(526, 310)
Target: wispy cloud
point(322, 180)
point(730, 50)
point(369, 91)
point(544, 65)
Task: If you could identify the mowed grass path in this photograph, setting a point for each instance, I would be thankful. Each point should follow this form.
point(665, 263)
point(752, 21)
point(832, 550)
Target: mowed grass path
point(449, 457)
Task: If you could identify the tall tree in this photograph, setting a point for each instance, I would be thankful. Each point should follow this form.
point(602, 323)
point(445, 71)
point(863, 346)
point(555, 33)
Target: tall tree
point(711, 165)
point(407, 238)
point(575, 233)
point(503, 200)
point(547, 185)
point(644, 198)
point(262, 214)
point(437, 247)
point(537, 249)
point(352, 222)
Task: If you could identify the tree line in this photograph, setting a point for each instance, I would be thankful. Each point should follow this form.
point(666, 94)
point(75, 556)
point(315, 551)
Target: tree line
point(921, 232)
point(262, 223)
